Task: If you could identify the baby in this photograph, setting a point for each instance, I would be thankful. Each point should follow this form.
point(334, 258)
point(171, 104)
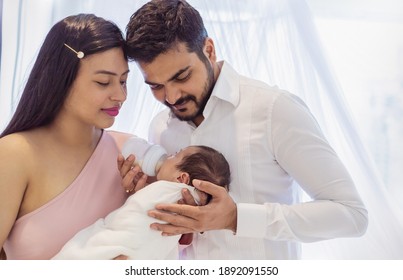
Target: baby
point(126, 230)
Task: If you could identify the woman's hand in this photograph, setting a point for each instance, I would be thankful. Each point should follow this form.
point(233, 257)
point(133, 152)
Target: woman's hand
point(133, 179)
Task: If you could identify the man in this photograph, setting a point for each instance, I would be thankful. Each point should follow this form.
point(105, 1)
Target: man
point(269, 137)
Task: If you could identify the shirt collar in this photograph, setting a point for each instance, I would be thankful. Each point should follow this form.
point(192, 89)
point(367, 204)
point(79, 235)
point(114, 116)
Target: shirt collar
point(227, 84)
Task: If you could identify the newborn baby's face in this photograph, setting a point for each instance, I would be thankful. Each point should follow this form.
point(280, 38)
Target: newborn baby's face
point(169, 171)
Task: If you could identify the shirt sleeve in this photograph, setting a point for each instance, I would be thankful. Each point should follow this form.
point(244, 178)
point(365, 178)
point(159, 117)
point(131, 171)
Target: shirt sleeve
point(300, 148)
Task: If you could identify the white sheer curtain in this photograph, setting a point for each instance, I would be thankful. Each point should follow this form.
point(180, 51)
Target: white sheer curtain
point(272, 40)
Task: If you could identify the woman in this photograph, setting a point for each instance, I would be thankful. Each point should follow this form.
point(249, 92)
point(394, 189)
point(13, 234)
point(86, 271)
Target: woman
point(58, 169)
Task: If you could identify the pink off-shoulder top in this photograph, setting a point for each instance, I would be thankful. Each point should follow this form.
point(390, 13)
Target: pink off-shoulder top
point(93, 194)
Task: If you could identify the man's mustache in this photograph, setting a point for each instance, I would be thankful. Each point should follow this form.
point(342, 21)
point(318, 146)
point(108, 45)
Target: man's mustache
point(181, 100)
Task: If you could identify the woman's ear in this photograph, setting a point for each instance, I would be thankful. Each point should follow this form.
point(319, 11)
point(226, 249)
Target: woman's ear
point(183, 178)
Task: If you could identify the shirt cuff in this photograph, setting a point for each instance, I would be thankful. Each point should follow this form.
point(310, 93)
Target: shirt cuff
point(251, 220)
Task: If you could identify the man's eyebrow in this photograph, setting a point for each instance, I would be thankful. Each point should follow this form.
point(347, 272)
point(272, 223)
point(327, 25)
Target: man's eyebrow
point(106, 72)
point(176, 75)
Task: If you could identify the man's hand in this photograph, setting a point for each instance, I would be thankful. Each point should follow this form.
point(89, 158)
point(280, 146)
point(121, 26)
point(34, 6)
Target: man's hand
point(220, 213)
point(133, 179)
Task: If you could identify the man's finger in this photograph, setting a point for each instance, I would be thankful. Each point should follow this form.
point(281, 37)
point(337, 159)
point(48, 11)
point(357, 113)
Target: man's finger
point(175, 214)
point(169, 212)
point(208, 187)
point(169, 230)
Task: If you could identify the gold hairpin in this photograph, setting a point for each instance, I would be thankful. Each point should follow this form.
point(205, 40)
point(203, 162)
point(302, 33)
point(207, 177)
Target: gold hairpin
point(79, 54)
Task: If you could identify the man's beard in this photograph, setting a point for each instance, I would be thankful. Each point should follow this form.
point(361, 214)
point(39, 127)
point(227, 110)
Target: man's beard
point(201, 104)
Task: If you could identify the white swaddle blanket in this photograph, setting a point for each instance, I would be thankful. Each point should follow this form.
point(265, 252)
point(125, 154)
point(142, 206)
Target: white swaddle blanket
point(126, 231)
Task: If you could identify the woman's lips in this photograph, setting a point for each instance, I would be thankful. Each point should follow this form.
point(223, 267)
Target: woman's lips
point(113, 112)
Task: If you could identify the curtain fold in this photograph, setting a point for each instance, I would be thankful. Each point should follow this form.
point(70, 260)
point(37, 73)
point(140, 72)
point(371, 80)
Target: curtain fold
point(272, 40)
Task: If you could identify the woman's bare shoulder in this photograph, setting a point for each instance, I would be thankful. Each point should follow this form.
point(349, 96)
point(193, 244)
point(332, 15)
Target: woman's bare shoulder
point(16, 157)
point(15, 143)
point(17, 152)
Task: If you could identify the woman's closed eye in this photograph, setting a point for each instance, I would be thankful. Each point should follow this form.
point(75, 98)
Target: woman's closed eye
point(104, 84)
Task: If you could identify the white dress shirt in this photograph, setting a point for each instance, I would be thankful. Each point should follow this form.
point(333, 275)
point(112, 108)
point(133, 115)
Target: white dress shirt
point(275, 149)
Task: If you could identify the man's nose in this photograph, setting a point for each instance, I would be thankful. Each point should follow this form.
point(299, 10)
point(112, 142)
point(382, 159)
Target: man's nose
point(172, 94)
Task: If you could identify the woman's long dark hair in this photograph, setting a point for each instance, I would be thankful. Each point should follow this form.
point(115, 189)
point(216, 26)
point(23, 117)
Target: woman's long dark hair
point(56, 68)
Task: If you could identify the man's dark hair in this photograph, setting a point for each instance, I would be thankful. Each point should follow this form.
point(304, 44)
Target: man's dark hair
point(161, 24)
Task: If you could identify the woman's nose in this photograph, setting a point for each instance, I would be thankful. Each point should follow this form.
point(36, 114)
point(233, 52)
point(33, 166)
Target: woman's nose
point(120, 93)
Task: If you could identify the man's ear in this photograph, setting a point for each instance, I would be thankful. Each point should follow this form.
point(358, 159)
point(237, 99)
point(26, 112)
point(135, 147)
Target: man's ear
point(183, 178)
point(209, 50)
